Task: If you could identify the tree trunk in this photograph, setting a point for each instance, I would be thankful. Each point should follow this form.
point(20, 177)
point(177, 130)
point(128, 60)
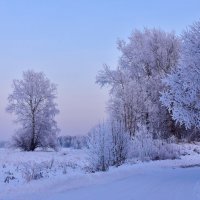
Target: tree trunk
point(33, 142)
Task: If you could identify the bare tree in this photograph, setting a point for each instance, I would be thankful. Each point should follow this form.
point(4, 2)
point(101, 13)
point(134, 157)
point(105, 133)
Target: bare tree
point(32, 101)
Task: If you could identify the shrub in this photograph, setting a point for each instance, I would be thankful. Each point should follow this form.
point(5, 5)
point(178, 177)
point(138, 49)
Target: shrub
point(108, 145)
point(145, 147)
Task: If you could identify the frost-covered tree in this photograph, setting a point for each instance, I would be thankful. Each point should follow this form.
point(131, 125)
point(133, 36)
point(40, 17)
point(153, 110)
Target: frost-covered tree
point(33, 103)
point(99, 147)
point(120, 145)
point(136, 83)
point(182, 97)
point(107, 146)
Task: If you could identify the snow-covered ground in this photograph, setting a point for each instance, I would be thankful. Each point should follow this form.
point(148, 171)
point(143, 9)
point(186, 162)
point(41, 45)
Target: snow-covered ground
point(64, 176)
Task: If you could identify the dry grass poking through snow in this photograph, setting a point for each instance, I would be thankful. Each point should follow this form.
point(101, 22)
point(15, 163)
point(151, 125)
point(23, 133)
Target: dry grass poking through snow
point(19, 167)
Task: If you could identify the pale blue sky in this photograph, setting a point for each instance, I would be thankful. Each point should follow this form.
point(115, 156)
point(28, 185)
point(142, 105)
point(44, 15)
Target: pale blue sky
point(70, 41)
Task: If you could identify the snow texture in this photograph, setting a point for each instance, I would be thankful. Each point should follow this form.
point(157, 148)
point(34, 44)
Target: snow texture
point(166, 180)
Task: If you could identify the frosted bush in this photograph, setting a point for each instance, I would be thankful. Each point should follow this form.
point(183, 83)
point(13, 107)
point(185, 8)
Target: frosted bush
point(108, 146)
point(32, 171)
point(120, 145)
point(145, 147)
point(99, 148)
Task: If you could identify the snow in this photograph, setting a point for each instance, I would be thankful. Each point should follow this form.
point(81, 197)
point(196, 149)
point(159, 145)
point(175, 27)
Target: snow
point(65, 154)
point(169, 179)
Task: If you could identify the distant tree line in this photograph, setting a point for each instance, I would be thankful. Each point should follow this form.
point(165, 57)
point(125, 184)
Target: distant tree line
point(76, 142)
point(4, 144)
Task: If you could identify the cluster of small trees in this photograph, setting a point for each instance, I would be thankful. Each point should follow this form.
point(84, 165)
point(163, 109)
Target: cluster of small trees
point(155, 87)
point(136, 84)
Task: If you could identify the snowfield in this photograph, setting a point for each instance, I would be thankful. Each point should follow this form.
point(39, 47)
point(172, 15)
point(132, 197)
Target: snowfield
point(63, 175)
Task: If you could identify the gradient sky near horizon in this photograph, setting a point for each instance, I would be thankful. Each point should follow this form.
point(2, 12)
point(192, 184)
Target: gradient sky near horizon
point(70, 41)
